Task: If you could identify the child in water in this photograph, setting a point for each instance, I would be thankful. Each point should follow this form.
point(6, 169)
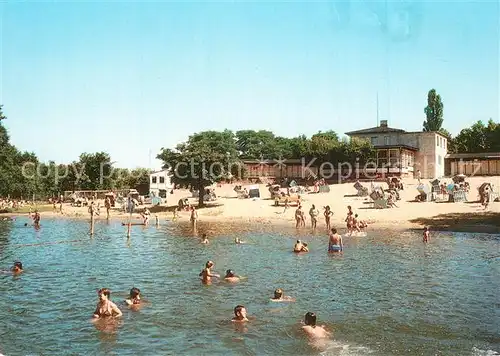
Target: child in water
point(426, 237)
point(134, 297)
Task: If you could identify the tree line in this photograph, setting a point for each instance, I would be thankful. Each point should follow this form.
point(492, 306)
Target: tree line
point(92, 171)
point(23, 175)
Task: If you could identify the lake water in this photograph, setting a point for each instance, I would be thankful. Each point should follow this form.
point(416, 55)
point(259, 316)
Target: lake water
point(388, 295)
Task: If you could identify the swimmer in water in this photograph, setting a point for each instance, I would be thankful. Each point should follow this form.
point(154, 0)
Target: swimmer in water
point(312, 330)
point(238, 241)
point(206, 274)
point(231, 277)
point(134, 297)
point(335, 242)
point(240, 314)
point(204, 239)
point(279, 296)
point(426, 237)
point(105, 307)
point(17, 267)
point(300, 247)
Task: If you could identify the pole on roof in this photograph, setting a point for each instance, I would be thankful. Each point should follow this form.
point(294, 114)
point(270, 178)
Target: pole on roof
point(377, 112)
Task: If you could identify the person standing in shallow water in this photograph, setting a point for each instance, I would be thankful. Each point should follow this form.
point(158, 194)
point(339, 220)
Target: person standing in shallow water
point(328, 214)
point(240, 314)
point(105, 307)
point(426, 237)
point(206, 274)
point(313, 213)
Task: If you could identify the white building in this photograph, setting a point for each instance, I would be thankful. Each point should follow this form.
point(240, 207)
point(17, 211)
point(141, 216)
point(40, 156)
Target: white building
point(401, 152)
point(160, 183)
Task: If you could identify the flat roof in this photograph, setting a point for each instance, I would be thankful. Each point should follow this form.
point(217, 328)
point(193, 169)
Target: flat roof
point(473, 155)
point(374, 130)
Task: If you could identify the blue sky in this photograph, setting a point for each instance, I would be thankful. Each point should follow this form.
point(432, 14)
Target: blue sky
point(127, 78)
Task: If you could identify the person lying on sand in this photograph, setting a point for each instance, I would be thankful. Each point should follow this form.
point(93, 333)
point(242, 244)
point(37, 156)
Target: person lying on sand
point(300, 247)
point(279, 296)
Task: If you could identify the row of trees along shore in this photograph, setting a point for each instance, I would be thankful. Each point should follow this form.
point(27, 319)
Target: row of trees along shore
point(47, 179)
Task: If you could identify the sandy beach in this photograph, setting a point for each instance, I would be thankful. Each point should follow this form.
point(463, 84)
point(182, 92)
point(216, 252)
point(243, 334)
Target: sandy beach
point(468, 216)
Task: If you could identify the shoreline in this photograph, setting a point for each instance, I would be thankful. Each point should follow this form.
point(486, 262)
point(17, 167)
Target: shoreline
point(468, 216)
point(466, 225)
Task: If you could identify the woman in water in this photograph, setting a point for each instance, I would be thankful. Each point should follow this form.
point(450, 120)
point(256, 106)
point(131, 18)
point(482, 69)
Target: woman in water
point(279, 296)
point(105, 307)
point(134, 297)
point(312, 330)
point(231, 277)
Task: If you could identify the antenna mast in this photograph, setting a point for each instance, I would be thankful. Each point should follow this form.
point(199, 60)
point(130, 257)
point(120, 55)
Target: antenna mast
point(377, 112)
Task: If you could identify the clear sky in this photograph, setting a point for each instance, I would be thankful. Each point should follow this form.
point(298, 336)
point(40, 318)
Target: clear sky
point(127, 77)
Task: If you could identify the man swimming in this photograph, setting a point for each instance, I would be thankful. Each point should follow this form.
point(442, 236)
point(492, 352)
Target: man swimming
point(300, 247)
point(279, 296)
point(204, 239)
point(335, 242)
point(17, 268)
point(206, 274)
point(312, 330)
point(240, 314)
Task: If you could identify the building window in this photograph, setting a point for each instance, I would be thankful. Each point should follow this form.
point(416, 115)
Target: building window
point(437, 141)
point(382, 158)
point(373, 141)
point(439, 160)
point(153, 179)
point(386, 140)
point(393, 158)
point(162, 180)
point(445, 143)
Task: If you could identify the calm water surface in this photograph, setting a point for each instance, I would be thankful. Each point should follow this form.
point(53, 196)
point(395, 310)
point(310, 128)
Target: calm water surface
point(388, 294)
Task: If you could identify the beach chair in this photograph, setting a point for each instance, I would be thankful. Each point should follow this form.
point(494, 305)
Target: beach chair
point(459, 196)
point(425, 193)
point(380, 203)
point(362, 191)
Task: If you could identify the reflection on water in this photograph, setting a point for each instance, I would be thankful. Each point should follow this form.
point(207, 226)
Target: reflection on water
point(387, 295)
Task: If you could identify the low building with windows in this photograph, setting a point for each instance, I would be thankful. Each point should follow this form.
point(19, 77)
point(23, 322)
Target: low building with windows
point(160, 183)
point(403, 153)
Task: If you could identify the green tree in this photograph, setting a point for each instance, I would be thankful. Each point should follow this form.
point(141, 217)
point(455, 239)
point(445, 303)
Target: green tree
point(94, 171)
point(253, 144)
point(433, 112)
point(206, 157)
